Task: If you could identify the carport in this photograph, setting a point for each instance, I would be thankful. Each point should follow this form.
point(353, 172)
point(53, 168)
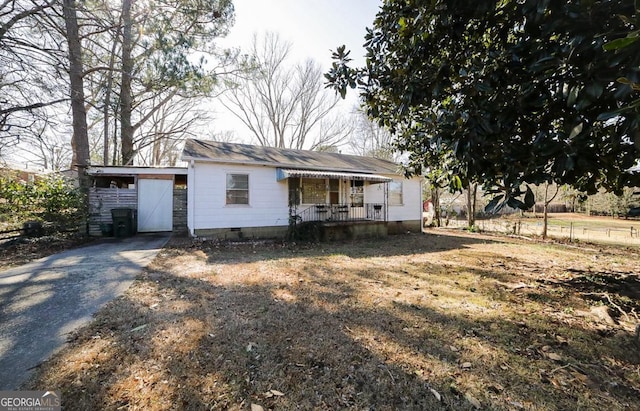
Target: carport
point(157, 194)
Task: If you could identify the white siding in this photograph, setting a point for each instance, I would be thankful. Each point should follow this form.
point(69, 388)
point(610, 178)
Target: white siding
point(411, 208)
point(268, 198)
point(191, 189)
point(374, 193)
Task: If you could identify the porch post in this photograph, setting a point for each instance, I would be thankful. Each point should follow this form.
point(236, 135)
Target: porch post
point(386, 201)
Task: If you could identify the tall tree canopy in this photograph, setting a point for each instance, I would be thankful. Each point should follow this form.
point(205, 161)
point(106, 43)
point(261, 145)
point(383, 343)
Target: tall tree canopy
point(504, 92)
point(131, 69)
point(144, 56)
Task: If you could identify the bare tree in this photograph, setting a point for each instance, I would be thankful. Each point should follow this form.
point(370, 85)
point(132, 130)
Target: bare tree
point(120, 64)
point(159, 140)
point(226, 136)
point(369, 139)
point(547, 200)
point(47, 145)
point(284, 105)
point(30, 56)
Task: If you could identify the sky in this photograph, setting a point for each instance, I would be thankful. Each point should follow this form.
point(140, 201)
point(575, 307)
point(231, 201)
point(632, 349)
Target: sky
point(314, 27)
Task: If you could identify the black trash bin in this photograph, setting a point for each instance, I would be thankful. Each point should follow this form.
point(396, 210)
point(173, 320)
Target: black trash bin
point(124, 224)
point(32, 229)
point(134, 221)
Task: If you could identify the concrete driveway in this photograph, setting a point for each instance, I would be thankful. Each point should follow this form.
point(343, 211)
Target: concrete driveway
point(43, 301)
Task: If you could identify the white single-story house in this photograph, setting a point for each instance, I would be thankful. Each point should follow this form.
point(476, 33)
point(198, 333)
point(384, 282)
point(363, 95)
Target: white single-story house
point(239, 190)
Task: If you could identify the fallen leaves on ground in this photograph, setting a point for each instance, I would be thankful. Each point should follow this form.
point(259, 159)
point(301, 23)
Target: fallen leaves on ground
point(22, 250)
point(436, 321)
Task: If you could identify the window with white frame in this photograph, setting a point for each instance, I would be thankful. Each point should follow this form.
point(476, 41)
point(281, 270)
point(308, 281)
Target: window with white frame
point(395, 193)
point(237, 189)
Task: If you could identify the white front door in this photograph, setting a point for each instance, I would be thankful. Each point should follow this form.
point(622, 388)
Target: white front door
point(155, 205)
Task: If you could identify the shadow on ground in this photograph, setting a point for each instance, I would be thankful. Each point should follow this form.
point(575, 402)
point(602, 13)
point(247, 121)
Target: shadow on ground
point(45, 300)
point(301, 330)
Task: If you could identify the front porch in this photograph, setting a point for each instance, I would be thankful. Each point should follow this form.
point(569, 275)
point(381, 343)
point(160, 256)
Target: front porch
point(330, 205)
point(332, 222)
point(340, 213)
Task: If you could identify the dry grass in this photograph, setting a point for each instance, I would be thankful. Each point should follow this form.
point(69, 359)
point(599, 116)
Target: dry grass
point(436, 321)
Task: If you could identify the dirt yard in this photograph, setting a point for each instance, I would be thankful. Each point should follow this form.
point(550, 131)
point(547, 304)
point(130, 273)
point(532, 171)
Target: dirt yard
point(22, 250)
point(437, 321)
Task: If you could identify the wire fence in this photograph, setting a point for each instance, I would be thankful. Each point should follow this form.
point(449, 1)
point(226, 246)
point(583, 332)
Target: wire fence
point(571, 231)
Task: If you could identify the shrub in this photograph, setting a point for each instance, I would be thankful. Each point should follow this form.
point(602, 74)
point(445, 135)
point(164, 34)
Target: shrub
point(52, 200)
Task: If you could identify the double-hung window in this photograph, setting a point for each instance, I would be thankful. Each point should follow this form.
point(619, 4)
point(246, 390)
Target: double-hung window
point(395, 193)
point(237, 189)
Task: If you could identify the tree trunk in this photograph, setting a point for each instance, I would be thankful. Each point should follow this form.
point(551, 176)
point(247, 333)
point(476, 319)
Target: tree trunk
point(80, 158)
point(106, 136)
point(107, 104)
point(545, 218)
point(547, 201)
point(126, 103)
point(156, 152)
point(471, 204)
point(435, 199)
point(80, 139)
point(114, 138)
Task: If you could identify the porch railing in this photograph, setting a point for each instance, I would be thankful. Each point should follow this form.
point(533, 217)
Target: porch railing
point(343, 212)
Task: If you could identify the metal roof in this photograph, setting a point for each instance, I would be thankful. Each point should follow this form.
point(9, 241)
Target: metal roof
point(218, 152)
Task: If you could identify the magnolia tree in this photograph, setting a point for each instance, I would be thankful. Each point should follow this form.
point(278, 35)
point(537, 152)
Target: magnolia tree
point(504, 93)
